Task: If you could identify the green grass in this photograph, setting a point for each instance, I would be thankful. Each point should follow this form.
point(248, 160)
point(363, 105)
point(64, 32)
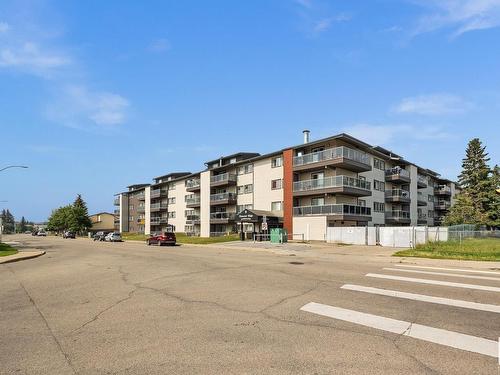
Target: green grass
point(470, 249)
point(6, 250)
point(182, 238)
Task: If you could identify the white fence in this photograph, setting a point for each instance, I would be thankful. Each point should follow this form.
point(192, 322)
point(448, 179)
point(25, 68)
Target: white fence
point(386, 236)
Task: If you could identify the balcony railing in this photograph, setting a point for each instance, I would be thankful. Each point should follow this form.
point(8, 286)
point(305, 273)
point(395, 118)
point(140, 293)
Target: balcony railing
point(225, 177)
point(116, 202)
point(422, 180)
point(396, 171)
point(192, 199)
point(222, 216)
point(422, 217)
point(194, 183)
point(192, 217)
point(155, 193)
point(397, 215)
point(141, 209)
point(117, 212)
point(442, 189)
point(397, 193)
point(159, 206)
point(332, 153)
point(332, 209)
point(331, 182)
point(223, 197)
point(443, 205)
point(155, 221)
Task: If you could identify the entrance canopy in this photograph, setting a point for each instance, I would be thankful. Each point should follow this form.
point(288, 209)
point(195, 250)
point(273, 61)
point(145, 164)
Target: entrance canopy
point(257, 216)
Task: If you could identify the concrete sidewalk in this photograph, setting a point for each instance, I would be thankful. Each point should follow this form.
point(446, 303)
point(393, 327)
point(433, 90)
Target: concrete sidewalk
point(22, 255)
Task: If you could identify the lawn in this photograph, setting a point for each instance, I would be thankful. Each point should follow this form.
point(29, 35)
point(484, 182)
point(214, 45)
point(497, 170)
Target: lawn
point(470, 249)
point(182, 238)
point(6, 250)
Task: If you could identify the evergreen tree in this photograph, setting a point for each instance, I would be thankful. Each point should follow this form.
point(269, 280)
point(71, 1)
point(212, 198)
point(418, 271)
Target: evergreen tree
point(22, 225)
point(80, 220)
point(8, 221)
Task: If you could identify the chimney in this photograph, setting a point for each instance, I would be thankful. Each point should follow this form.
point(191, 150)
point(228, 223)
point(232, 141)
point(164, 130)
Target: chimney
point(306, 136)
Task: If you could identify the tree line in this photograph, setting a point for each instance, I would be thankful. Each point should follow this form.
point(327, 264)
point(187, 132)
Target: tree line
point(478, 202)
point(9, 223)
point(74, 217)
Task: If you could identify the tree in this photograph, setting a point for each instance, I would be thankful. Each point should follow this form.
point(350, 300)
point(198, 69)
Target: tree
point(463, 212)
point(80, 220)
point(8, 221)
point(22, 225)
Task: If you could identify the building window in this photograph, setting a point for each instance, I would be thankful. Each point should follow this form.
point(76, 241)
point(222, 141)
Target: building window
point(189, 229)
point(361, 202)
point(276, 184)
point(130, 218)
point(131, 207)
point(276, 162)
point(378, 185)
point(319, 201)
point(276, 206)
point(379, 164)
point(171, 200)
point(378, 206)
point(171, 215)
point(430, 198)
point(245, 189)
point(245, 169)
point(242, 207)
point(232, 160)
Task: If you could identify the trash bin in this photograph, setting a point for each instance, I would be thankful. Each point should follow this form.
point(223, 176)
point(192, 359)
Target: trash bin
point(278, 235)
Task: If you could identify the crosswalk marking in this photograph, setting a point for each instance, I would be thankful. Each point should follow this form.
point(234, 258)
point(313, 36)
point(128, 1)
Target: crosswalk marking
point(435, 282)
point(447, 269)
point(424, 298)
point(444, 274)
point(435, 335)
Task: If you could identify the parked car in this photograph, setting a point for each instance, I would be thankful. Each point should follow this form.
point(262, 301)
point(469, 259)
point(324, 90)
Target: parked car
point(27, 232)
point(41, 233)
point(69, 234)
point(99, 236)
point(166, 238)
point(113, 237)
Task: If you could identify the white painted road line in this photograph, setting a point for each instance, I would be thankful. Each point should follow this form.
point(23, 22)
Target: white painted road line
point(444, 274)
point(447, 269)
point(435, 335)
point(424, 298)
point(435, 282)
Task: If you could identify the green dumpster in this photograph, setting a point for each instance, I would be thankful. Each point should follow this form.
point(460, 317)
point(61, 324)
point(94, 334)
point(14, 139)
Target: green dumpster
point(278, 235)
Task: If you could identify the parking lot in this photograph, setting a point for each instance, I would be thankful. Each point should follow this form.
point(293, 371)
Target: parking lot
point(107, 308)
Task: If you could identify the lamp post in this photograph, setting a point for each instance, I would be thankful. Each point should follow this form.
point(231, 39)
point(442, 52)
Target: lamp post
point(13, 166)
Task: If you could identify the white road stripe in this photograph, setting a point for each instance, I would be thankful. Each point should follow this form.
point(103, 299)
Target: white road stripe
point(447, 269)
point(435, 335)
point(444, 274)
point(435, 282)
point(424, 298)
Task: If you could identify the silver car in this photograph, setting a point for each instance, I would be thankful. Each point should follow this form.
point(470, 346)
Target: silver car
point(113, 237)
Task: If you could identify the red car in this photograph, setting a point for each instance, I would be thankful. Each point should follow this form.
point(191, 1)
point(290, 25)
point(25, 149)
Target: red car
point(166, 238)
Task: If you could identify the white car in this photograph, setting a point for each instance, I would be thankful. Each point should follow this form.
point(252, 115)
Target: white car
point(41, 233)
point(113, 237)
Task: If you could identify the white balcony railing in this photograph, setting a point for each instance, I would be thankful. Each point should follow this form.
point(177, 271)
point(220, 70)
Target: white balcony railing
point(332, 153)
point(224, 177)
point(397, 215)
point(222, 197)
point(397, 193)
point(397, 171)
point(331, 182)
point(222, 216)
point(332, 209)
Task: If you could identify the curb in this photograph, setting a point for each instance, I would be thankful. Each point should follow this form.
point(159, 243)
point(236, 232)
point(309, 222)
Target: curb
point(18, 258)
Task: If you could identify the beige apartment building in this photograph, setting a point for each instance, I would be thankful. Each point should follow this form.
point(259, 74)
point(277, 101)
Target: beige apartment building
point(336, 181)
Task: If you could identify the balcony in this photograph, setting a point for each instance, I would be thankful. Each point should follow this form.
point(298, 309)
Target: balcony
point(222, 217)
point(343, 157)
point(223, 198)
point(116, 202)
point(140, 196)
point(193, 219)
point(141, 209)
point(421, 201)
point(336, 211)
point(155, 193)
point(442, 190)
point(193, 184)
point(116, 212)
point(337, 184)
point(442, 205)
point(421, 182)
point(223, 179)
point(397, 175)
point(192, 201)
point(422, 219)
point(397, 196)
point(398, 217)
point(155, 207)
point(155, 221)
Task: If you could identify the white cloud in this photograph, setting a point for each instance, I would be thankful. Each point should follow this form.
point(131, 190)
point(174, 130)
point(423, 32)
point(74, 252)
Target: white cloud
point(159, 45)
point(4, 27)
point(433, 104)
point(385, 135)
point(325, 23)
point(30, 57)
point(78, 107)
point(460, 16)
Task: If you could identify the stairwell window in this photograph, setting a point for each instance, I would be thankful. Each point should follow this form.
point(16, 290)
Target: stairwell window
point(378, 207)
point(276, 184)
point(379, 164)
point(276, 162)
point(276, 206)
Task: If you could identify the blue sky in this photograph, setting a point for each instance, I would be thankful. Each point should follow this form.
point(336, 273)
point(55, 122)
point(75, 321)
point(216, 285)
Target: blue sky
point(97, 95)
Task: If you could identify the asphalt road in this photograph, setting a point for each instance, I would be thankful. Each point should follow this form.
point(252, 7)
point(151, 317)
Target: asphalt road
point(125, 308)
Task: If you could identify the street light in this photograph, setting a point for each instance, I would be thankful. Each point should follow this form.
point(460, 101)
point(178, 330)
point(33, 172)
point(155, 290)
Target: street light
point(13, 166)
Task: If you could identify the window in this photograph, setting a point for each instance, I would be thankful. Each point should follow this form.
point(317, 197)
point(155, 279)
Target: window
point(378, 207)
point(171, 187)
point(245, 189)
point(362, 202)
point(232, 160)
point(171, 215)
point(319, 201)
point(245, 169)
point(241, 207)
point(131, 207)
point(430, 214)
point(171, 200)
point(378, 185)
point(188, 228)
point(130, 218)
point(276, 184)
point(276, 206)
point(430, 198)
point(276, 162)
point(379, 164)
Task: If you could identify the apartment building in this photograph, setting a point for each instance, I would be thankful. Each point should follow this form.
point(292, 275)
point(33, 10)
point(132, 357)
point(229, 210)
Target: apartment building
point(336, 181)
